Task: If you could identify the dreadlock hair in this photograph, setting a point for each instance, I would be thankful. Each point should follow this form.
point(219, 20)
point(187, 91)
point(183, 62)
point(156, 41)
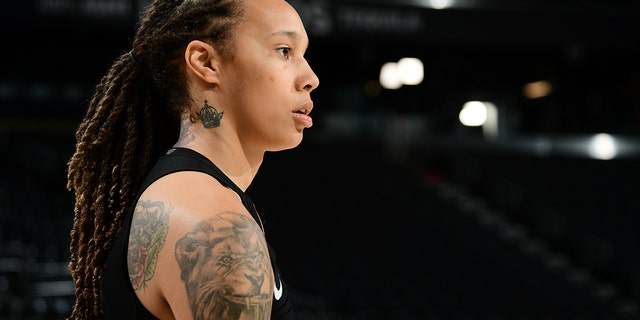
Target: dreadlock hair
point(131, 120)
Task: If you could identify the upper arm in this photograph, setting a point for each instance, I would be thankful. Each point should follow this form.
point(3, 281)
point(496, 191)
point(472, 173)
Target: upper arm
point(225, 268)
point(213, 262)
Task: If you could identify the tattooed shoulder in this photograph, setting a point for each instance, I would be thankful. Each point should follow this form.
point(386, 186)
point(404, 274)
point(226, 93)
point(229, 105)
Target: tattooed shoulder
point(225, 266)
point(147, 236)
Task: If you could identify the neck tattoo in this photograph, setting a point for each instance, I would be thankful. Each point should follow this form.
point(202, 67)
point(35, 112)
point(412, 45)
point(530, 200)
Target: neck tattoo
point(210, 116)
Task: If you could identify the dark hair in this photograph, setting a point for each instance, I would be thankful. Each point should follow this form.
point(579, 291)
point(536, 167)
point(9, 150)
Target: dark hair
point(132, 119)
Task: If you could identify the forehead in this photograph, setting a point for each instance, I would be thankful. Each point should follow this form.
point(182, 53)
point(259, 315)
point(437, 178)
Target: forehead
point(271, 18)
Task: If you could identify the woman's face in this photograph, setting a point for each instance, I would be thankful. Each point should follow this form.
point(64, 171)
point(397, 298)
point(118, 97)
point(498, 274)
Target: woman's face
point(266, 86)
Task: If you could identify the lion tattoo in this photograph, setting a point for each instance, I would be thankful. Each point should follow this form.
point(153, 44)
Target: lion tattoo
point(225, 266)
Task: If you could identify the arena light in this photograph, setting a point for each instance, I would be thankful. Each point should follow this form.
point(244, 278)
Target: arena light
point(389, 77)
point(603, 147)
point(473, 114)
point(537, 89)
point(407, 71)
point(440, 4)
point(410, 71)
point(436, 4)
point(481, 113)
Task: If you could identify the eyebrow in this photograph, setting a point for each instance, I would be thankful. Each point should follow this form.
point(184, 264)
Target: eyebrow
point(288, 33)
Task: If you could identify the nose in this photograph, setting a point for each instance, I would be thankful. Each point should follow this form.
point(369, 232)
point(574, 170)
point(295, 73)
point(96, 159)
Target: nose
point(308, 80)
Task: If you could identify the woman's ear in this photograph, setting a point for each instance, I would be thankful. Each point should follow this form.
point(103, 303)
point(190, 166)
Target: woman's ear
point(202, 61)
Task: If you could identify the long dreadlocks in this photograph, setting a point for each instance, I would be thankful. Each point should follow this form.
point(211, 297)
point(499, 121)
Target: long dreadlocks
point(132, 119)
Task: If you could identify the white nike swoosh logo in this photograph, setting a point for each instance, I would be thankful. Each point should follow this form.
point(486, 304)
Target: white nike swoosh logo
point(277, 292)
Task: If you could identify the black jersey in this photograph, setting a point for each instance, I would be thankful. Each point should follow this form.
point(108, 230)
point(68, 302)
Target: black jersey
point(119, 300)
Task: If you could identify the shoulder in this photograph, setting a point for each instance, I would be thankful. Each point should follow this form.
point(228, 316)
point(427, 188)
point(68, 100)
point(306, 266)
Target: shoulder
point(200, 252)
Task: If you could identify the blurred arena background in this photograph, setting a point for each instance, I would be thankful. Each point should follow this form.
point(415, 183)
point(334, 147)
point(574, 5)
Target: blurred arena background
point(499, 183)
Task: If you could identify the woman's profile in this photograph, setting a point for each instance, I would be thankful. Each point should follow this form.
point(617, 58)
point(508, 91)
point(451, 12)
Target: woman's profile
point(173, 136)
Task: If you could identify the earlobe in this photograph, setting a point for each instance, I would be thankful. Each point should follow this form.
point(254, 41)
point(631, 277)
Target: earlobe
point(202, 61)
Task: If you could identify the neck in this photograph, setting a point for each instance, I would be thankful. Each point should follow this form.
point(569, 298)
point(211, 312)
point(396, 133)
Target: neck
point(222, 147)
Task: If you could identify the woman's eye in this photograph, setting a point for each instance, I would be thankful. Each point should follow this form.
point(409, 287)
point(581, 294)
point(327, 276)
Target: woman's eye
point(284, 52)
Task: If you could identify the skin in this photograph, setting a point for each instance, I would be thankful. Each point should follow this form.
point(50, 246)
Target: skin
point(195, 251)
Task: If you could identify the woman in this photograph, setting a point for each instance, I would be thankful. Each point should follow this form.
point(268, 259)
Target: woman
point(222, 81)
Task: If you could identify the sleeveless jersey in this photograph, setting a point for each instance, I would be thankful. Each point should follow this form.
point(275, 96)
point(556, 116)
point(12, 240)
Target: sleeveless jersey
point(119, 300)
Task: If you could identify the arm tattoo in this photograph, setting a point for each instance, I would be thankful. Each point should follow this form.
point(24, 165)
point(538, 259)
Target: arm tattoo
point(148, 232)
point(225, 266)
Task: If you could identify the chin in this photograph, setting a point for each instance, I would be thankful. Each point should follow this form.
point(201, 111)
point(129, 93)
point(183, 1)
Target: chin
point(290, 144)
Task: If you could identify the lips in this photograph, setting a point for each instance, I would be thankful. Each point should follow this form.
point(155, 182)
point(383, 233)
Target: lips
point(301, 114)
point(305, 108)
